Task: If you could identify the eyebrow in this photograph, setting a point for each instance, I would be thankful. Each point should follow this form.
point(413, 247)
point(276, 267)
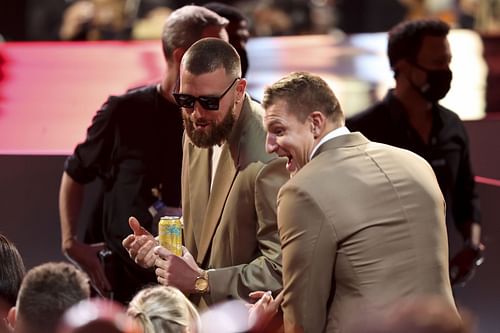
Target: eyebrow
point(273, 123)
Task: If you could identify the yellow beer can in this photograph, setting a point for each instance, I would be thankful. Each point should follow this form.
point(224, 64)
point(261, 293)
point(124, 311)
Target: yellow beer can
point(170, 234)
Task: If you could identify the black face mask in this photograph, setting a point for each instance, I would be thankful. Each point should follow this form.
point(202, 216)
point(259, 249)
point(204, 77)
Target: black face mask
point(438, 83)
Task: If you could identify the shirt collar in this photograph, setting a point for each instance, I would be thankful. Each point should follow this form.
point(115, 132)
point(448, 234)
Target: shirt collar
point(330, 135)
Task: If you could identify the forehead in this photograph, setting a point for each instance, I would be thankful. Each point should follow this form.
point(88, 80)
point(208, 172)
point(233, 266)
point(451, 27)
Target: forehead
point(212, 83)
point(434, 49)
point(277, 112)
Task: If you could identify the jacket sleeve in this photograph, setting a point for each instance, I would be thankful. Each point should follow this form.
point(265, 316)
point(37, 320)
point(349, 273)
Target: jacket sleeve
point(309, 245)
point(264, 272)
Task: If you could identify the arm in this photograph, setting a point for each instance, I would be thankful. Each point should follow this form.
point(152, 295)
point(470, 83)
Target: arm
point(80, 168)
point(467, 219)
point(86, 256)
point(264, 272)
point(309, 252)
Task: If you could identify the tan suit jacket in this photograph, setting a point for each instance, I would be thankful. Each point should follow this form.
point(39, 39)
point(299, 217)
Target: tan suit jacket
point(233, 228)
point(361, 225)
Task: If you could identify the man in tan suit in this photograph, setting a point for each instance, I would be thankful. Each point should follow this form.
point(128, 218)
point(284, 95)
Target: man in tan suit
point(361, 224)
point(229, 186)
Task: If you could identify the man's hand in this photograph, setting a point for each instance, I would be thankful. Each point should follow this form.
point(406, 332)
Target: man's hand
point(86, 257)
point(263, 314)
point(464, 263)
point(140, 244)
point(179, 272)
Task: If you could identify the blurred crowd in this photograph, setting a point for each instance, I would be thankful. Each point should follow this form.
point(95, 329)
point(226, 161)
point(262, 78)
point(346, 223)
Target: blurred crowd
point(142, 19)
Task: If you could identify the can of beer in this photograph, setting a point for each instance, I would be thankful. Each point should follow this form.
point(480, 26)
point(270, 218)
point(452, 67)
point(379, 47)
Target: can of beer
point(170, 234)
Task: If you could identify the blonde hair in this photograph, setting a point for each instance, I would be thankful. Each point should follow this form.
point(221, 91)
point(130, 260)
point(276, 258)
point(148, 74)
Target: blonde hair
point(164, 309)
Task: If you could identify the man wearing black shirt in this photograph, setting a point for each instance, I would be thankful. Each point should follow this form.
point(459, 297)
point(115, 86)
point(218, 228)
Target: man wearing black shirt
point(410, 117)
point(134, 145)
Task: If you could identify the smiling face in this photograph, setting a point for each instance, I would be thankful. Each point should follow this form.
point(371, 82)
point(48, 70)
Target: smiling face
point(209, 127)
point(287, 136)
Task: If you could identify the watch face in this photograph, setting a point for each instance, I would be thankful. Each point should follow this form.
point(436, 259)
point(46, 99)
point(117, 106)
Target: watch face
point(201, 284)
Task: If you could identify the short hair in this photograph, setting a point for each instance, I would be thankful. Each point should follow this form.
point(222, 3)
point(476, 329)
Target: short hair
point(163, 309)
point(47, 291)
point(185, 25)
point(209, 54)
point(304, 93)
point(11, 271)
point(405, 39)
point(232, 13)
point(98, 315)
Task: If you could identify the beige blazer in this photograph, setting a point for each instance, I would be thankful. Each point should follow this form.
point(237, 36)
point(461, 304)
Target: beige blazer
point(361, 225)
point(233, 229)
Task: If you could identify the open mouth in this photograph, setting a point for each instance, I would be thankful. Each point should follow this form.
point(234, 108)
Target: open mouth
point(290, 164)
point(201, 125)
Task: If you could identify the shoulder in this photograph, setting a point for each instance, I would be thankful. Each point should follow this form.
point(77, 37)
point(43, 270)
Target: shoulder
point(377, 113)
point(451, 122)
point(138, 94)
point(448, 116)
point(249, 135)
point(130, 102)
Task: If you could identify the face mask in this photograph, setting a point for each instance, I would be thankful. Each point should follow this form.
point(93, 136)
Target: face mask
point(438, 83)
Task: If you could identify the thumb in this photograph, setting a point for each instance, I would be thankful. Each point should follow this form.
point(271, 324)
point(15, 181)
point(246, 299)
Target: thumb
point(136, 227)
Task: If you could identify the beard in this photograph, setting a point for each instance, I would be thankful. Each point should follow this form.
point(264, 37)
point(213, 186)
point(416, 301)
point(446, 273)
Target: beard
point(212, 134)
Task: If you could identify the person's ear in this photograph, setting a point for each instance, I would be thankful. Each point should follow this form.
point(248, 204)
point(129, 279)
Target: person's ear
point(11, 316)
point(401, 65)
point(240, 90)
point(178, 53)
point(317, 120)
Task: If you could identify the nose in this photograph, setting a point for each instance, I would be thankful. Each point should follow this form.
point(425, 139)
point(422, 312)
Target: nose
point(271, 145)
point(198, 109)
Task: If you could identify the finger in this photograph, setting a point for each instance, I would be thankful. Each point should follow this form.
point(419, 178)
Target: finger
point(162, 252)
point(136, 227)
point(162, 281)
point(144, 251)
point(279, 299)
point(137, 244)
point(127, 242)
point(160, 263)
point(255, 295)
point(161, 273)
point(149, 259)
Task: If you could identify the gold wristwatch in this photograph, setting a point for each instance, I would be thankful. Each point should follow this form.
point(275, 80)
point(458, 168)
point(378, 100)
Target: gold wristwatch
point(201, 285)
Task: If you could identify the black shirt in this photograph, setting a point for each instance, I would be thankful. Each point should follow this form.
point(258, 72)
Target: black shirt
point(447, 152)
point(134, 144)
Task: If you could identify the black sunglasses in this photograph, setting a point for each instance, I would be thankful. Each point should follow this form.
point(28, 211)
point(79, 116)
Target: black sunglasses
point(207, 102)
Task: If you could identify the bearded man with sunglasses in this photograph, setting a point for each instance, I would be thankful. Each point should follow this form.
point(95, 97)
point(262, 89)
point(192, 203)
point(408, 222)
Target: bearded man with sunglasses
point(410, 117)
point(229, 187)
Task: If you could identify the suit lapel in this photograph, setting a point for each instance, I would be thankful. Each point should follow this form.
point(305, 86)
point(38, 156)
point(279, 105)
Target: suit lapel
point(223, 181)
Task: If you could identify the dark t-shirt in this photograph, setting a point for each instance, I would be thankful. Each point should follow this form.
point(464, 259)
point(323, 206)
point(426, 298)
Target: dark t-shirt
point(447, 151)
point(134, 144)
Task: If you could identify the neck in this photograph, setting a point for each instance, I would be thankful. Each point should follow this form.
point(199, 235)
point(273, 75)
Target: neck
point(169, 81)
point(415, 106)
point(166, 87)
